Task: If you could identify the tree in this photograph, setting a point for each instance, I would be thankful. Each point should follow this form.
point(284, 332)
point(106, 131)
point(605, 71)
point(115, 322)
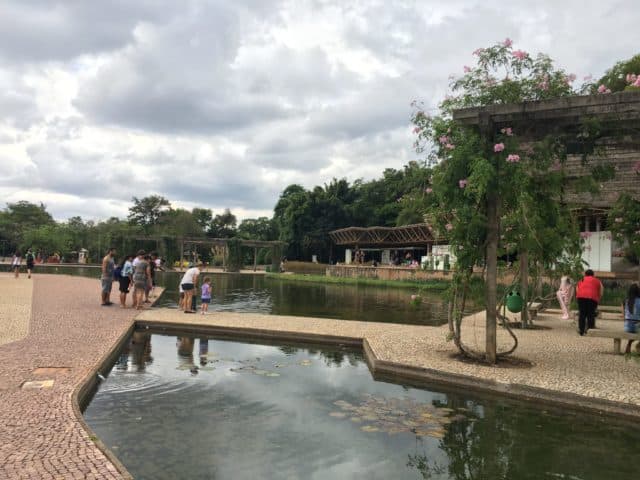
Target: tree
point(624, 75)
point(261, 228)
point(146, 211)
point(624, 221)
point(223, 225)
point(203, 217)
point(492, 194)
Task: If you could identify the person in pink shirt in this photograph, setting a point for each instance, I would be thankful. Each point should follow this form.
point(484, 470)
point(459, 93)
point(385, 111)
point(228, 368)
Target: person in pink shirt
point(205, 297)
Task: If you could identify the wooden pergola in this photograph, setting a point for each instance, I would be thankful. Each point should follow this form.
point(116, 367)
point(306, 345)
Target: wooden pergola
point(417, 234)
point(219, 242)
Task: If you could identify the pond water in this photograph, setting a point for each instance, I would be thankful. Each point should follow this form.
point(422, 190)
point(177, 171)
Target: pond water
point(262, 411)
point(257, 294)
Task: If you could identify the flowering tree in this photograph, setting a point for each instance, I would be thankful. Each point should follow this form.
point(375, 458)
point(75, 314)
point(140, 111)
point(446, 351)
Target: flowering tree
point(624, 221)
point(495, 193)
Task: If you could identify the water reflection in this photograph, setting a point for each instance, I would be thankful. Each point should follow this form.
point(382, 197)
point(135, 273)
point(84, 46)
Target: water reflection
point(262, 411)
point(257, 294)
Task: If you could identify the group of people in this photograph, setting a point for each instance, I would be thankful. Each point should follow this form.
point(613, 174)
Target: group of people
point(188, 287)
point(16, 262)
point(132, 272)
point(589, 292)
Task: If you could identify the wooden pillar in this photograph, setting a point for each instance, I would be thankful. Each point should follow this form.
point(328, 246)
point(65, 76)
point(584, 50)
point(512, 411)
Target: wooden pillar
point(224, 257)
point(181, 253)
point(524, 287)
point(492, 277)
point(255, 258)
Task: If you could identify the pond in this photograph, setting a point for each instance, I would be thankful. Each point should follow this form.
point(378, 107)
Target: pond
point(257, 294)
point(199, 408)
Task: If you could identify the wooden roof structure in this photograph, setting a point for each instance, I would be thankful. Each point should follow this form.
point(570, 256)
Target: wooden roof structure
point(407, 235)
point(618, 115)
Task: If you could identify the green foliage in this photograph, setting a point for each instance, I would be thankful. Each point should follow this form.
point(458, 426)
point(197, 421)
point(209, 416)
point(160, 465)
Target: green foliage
point(235, 259)
point(624, 222)
point(261, 228)
point(223, 225)
point(615, 79)
point(146, 211)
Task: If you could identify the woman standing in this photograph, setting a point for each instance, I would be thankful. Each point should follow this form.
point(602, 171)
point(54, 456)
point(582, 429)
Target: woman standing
point(588, 294)
point(15, 263)
point(564, 294)
point(141, 278)
point(125, 279)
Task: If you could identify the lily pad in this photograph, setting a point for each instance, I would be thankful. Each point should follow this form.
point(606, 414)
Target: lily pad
point(337, 414)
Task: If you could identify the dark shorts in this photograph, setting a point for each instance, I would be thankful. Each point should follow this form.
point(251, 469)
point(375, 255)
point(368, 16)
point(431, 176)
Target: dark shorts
point(15, 267)
point(187, 287)
point(205, 300)
point(30, 265)
point(124, 284)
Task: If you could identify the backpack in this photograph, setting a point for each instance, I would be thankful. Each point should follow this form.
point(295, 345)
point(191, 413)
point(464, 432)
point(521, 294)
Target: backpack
point(117, 273)
point(30, 257)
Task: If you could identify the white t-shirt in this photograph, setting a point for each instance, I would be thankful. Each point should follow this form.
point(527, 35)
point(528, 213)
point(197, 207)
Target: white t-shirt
point(189, 275)
point(136, 261)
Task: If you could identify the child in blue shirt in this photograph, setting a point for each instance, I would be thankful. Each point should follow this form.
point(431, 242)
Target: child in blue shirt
point(631, 310)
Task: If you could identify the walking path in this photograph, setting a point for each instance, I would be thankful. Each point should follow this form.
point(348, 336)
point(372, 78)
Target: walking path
point(61, 336)
point(67, 336)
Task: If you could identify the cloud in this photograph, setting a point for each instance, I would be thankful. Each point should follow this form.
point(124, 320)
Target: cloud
point(223, 104)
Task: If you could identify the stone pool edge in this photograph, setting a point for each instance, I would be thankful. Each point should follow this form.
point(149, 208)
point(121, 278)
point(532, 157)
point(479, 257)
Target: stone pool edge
point(418, 376)
point(84, 391)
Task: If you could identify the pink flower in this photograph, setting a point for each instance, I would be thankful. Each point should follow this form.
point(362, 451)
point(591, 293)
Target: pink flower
point(636, 83)
point(513, 158)
point(428, 190)
point(603, 89)
point(636, 167)
point(588, 78)
point(462, 183)
point(413, 297)
point(416, 130)
point(466, 69)
point(478, 51)
point(507, 42)
point(498, 147)
point(520, 54)
point(443, 139)
point(507, 131)
point(449, 227)
point(571, 78)
point(449, 146)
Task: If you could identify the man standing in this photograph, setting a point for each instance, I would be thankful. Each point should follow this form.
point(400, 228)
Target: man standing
point(108, 265)
point(30, 258)
point(189, 283)
point(588, 294)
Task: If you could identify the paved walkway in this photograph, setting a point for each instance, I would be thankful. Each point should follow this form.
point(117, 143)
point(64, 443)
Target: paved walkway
point(561, 360)
point(67, 335)
point(40, 436)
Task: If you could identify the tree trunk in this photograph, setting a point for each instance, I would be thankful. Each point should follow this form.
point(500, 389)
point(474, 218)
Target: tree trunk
point(492, 276)
point(524, 287)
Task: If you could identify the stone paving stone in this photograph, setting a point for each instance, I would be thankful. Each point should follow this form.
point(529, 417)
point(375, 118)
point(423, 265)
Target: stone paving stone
point(561, 360)
point(15, 307)
point(40, 435)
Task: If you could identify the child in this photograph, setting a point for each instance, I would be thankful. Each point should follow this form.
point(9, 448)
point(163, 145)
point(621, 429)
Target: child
point(206, 295)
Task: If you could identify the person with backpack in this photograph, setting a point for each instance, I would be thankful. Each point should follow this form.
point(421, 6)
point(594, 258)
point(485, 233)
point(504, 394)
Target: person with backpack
point(30, 258)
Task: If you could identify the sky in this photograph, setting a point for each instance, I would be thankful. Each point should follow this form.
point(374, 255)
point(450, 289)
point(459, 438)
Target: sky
point(222, 104)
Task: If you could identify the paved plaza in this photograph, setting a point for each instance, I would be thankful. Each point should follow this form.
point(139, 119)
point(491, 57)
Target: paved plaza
point(55, 336)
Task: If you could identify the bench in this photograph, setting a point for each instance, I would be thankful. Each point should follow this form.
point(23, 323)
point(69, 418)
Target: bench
point(617, 337)
point(534, 308)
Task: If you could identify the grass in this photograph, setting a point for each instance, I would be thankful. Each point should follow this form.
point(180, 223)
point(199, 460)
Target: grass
point(426, 285)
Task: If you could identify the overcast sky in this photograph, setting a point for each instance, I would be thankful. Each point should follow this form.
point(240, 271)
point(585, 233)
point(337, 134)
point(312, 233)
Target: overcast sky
point(222, 104)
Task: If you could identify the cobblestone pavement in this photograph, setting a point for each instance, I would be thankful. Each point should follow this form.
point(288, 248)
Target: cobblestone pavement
point(561, 360)
point(40, 437)
point(15, 307)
